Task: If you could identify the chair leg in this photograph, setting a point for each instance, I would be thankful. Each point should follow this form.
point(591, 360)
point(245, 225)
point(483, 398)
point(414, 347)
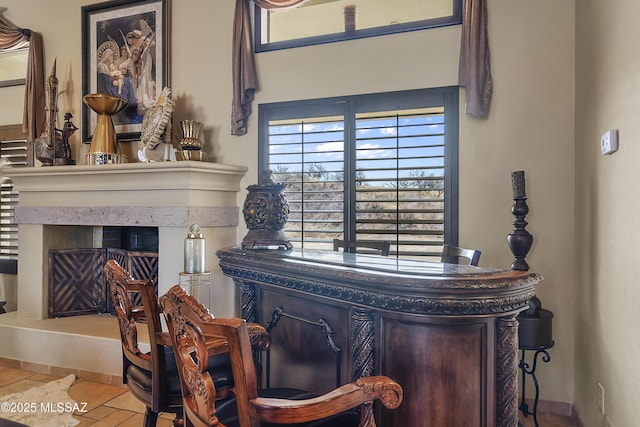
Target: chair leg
point(150, 418)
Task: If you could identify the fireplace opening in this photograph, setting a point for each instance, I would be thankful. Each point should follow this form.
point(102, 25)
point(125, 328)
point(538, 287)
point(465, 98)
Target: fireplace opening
point(131, 238)
point(76, 280)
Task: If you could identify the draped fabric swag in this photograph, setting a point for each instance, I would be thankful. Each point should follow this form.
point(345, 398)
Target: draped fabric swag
point(474, 73)
point(13, 38)
point(244, 69)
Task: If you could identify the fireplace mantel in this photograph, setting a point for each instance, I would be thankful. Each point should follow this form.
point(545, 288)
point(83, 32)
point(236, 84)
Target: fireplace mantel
point(54, 201)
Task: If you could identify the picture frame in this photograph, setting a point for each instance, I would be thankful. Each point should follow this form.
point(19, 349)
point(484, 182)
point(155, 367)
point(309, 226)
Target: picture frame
point(125, 52)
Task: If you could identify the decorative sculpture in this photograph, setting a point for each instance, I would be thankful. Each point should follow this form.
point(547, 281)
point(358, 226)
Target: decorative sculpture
point(156, 128)
point(266, 212)
point(52, 147)
point(190, 144)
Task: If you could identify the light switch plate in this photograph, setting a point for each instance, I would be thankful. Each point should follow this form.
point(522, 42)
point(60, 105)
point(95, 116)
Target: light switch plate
point(609, 142)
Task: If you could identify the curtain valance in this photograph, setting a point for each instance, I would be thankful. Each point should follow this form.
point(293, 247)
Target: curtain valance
point(474, 72)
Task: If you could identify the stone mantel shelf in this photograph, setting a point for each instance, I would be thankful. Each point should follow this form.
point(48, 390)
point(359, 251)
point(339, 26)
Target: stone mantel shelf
point(129, 176)
point(170, 194)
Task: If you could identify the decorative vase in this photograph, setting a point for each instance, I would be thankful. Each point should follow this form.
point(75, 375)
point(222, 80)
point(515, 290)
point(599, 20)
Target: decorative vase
point(190, 144)
point(104, 143)
point(266, 212)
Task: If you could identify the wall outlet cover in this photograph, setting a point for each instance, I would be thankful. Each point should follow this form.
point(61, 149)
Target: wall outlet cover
point(609, 142)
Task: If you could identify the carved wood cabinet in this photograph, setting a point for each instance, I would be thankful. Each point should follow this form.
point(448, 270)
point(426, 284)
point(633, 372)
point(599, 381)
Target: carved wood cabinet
point(447, 333)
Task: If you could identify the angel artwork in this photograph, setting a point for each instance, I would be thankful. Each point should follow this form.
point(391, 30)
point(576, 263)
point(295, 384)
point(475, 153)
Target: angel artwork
point(142, 47)
point(126, 56)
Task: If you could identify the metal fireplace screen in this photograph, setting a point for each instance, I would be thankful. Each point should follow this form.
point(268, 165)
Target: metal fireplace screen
point(76, 280)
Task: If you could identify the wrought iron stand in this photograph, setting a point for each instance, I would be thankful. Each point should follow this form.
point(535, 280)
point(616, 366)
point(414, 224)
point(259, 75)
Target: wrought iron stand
point(527, 370)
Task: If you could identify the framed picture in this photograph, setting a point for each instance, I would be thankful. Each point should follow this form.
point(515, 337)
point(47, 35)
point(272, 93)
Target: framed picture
point(125, 52)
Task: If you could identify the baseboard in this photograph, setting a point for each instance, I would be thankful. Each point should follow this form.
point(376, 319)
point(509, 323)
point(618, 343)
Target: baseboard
point(552, 407)
point(557, 408)
point(576, 418)
point(61, 372)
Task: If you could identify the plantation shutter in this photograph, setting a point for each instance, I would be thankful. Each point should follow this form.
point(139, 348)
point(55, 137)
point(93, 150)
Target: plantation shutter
point(399, 179)
point(15, 151)
point(367, 167)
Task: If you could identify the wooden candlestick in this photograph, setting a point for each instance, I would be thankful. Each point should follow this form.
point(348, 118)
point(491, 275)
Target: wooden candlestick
point(519, 240)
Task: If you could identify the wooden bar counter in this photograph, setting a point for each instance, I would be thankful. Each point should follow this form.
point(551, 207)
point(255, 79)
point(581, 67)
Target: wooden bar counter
point(447, 333)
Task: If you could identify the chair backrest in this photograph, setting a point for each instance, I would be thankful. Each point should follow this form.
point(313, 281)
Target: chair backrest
point(353, 245)
point(193, 330)
point(456, 255)
point(121, 287)
point(185, 318)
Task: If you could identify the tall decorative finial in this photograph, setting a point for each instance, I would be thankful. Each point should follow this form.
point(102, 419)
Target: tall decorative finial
point(519, 239)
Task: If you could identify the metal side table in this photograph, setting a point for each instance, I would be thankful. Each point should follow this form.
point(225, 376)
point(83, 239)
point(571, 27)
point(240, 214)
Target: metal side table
point(534, 334)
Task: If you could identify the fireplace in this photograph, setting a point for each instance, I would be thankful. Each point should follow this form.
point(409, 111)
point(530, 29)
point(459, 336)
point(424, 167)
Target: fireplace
point(61, 207)
point(77, 284)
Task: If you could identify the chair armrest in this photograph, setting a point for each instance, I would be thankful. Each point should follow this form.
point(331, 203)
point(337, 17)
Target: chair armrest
point(361, 392)
point(258, 336)
point(217, 345)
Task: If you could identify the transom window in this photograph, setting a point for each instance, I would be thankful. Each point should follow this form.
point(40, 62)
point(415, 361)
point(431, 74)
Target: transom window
point(367, 167)
point(321, 21)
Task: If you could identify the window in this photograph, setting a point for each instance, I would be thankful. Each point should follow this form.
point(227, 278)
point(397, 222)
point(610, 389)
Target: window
point(367, 167)
point(13, 148)
point(13, 67)
point(322, 21)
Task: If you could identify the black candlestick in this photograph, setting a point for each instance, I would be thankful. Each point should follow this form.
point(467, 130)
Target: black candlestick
point(519, 239)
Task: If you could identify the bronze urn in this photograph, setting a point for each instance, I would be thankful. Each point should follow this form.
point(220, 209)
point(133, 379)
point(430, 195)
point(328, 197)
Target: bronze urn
point(266, 211)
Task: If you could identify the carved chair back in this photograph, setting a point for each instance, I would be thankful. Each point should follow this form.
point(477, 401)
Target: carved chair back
point(145, 374)
point(195, 333)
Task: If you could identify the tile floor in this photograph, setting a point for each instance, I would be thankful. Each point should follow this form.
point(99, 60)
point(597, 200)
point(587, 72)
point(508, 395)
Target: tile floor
point(112, 405)
point(107, 405)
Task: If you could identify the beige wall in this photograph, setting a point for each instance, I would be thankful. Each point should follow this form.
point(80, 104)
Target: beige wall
point(531, 125)
point(607, 202)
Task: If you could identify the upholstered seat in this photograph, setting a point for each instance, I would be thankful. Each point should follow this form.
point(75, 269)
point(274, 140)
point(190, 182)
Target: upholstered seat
point(219, 366)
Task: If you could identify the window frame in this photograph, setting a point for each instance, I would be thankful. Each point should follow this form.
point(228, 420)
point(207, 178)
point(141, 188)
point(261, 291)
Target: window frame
point(259, 46)
point(350, 106)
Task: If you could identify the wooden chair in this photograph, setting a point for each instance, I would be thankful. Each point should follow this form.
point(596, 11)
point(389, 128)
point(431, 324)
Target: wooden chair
point(456, 255)
point(191, 325)
point(353, 245)
point(153, 377)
